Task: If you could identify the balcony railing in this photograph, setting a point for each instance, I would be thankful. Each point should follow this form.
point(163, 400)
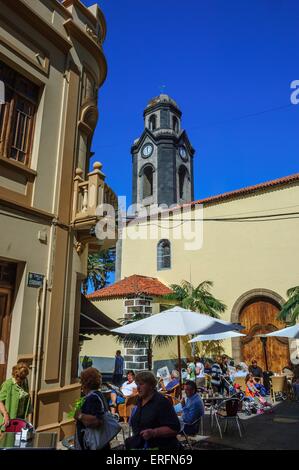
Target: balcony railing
point(90, 194)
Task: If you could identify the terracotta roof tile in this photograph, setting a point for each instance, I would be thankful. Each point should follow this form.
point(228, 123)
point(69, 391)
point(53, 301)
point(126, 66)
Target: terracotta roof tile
point(132, 286)
point(248, 189)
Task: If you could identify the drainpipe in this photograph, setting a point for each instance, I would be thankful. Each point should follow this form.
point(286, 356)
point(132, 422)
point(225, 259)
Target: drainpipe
point(38, 341)
point(35, 340)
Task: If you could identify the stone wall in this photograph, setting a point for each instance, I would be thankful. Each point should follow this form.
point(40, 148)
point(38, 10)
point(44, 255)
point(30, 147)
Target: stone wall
point(136, 356)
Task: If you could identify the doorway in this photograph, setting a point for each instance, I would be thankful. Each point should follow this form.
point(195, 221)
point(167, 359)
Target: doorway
point(7, 284)
point(259, 316)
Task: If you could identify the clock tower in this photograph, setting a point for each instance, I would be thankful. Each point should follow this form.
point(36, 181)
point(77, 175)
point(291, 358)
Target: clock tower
point(162, 157)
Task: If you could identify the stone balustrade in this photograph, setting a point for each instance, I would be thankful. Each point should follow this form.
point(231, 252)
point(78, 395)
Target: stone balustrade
point(90, 193)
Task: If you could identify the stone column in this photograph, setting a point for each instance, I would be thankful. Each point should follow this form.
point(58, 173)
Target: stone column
point(136, 357)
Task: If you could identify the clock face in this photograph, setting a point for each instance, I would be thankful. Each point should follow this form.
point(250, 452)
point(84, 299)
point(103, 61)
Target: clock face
point(183, 152)
point(147, 150)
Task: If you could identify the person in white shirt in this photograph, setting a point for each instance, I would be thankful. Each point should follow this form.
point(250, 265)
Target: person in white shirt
point(199, 373)
point(128, 389)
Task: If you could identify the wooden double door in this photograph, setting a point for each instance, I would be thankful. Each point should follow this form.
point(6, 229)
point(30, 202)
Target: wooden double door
point(260, 317)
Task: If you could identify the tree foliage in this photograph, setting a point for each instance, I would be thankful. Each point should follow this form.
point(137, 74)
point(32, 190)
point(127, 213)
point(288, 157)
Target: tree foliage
point(290, 310)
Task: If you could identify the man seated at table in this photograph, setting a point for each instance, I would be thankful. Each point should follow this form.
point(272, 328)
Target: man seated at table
point(191, 408)
point(255, 370)
point(128, 389)
point(175, 380)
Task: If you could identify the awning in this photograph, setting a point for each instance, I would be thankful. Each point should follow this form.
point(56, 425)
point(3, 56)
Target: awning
point(93, 321)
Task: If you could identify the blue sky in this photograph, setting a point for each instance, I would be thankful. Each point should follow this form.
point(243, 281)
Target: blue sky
point(227, 63)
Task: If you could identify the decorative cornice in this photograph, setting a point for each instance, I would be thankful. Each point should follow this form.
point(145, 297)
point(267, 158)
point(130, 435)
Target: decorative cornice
point(38, 23)
point(90, 45)
point(58, 6)
point(82, 8)
point(162, 105)
point(85, 11)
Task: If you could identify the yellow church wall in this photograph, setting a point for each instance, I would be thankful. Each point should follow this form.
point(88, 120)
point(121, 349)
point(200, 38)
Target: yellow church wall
point(236, 256)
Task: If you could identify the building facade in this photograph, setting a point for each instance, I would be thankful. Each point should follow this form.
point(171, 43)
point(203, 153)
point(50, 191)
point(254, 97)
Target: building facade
point(52, 65)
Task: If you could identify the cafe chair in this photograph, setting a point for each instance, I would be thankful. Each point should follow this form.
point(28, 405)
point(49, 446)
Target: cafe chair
point(16, 425)
point(174, 394)
point(188, 442)
point(125, 409)
point(241, 382)
point(278, 387)
point(227, 412)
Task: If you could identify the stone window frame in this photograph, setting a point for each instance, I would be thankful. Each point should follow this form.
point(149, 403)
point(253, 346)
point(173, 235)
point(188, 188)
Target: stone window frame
point(152, 122)
point(175, 124)
point(186, 177)
point(162, 256)
point(17, 126)
point(141, 176)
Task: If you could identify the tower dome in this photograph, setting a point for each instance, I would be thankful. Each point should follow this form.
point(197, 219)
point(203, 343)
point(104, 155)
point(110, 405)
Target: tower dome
point(162, 112)
point(161, 99)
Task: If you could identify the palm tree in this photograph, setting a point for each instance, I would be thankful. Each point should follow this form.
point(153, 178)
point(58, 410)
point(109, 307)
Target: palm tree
point(99, 265)
point(142, 341)
point(199, 299)
point(290, 310)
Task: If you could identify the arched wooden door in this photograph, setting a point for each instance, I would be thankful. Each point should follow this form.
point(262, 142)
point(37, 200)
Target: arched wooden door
point(259, 317)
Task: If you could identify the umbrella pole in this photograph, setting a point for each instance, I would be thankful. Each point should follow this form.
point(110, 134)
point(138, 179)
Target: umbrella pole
point(180, 364)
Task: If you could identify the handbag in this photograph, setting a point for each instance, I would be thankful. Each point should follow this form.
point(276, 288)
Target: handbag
point(97, 438)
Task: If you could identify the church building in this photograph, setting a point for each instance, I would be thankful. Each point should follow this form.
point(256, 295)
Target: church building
point(244, 241)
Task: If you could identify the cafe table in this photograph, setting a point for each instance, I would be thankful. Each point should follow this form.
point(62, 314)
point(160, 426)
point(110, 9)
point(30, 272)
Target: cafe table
point(39, 441)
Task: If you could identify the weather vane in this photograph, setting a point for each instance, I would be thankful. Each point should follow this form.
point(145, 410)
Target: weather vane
point(162, 88)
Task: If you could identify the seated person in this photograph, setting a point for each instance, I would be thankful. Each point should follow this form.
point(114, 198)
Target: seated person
point(260, 387)
point(251, 391)
point(208, 368)
point(128, 389)
point(175, 380)
point(192, 408)
point(295, 386)
point(255, 370)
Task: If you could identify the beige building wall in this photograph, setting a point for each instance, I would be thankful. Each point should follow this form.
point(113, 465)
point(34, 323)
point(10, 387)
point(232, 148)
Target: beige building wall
point(53, 44)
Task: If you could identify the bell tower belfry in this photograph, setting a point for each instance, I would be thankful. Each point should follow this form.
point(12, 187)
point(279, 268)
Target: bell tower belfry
point(162, 157)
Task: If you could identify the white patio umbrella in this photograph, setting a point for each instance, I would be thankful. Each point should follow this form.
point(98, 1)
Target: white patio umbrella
point(176, 321)
point(216, 337)
point(289, 332)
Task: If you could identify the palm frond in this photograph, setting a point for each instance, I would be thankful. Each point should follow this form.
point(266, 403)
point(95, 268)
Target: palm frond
point(290, 310)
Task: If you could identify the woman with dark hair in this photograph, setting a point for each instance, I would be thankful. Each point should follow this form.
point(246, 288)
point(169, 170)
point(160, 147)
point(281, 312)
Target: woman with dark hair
point(94, 407)
point(14, 395)
point(153, 421)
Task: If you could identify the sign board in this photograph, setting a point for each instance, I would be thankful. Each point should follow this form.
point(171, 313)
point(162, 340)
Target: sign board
point(35, 280)
point(163, 373)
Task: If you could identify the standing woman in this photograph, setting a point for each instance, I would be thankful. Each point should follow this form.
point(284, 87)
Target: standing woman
point(154, 422)
point(94, 407)
point(14, 396)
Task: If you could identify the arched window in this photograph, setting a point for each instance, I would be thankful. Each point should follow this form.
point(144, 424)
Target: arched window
point(153, 122)
point(164, 254)
point(147, 182)
point(183, 182)
point(175, 124)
